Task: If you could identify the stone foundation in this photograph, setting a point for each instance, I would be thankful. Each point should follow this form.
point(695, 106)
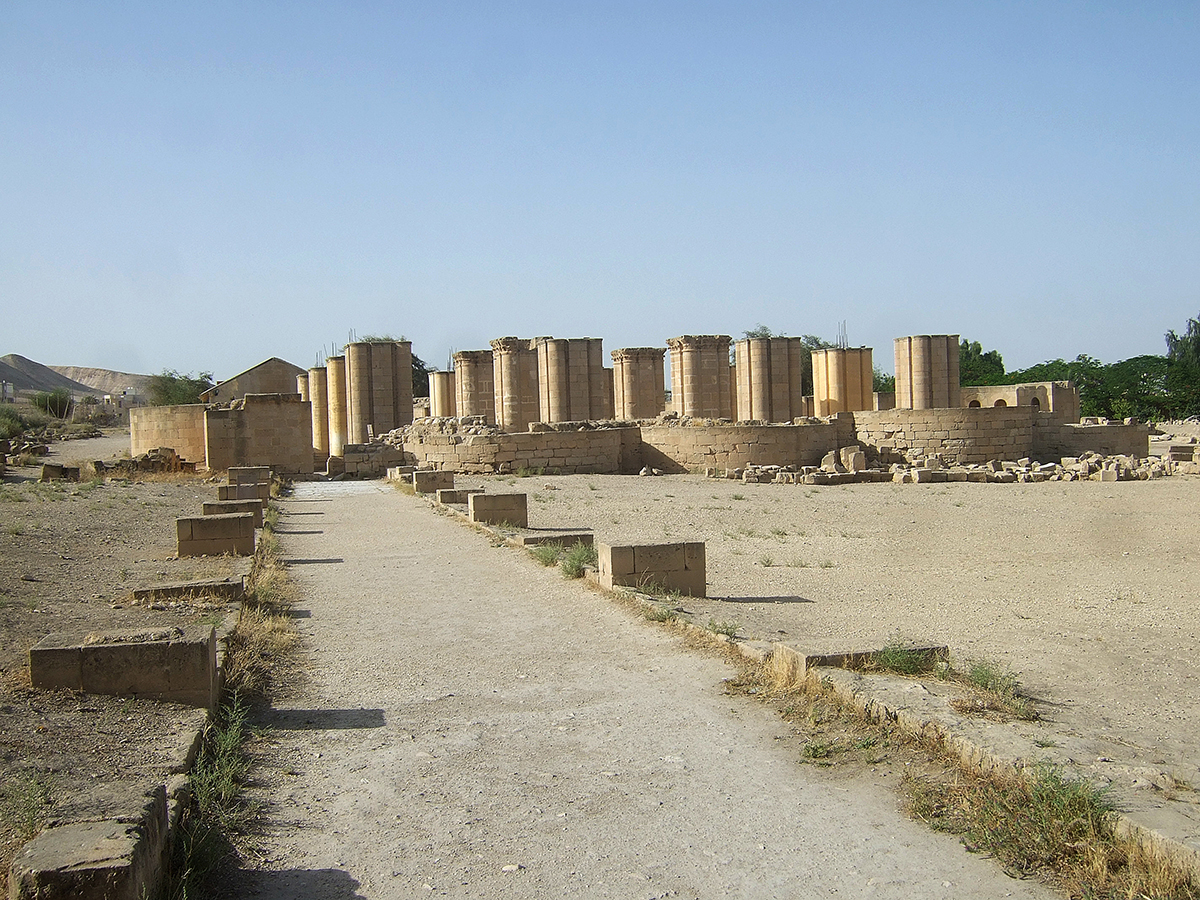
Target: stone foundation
point(214, 535)
point(499, 509)
point(175, 665)
point(654, 567)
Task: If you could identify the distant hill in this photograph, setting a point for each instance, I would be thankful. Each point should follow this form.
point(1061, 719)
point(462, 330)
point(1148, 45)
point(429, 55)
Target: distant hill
point(105, 381)
point(28, 376)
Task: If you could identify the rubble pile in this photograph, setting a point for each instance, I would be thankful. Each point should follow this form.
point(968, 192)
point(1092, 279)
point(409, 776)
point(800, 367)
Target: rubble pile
point(159, 460)
point(849, 465)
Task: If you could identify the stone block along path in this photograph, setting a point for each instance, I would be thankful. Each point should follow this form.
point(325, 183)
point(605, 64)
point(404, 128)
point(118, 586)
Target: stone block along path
point(475, 725)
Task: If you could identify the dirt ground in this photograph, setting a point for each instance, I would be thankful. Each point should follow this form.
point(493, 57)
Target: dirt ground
point(1087, 590)
point(71, 553)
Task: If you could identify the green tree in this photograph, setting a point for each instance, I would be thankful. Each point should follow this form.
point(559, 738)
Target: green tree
point(170, 388)
point(1183, 370)
point(883, 383)
point(759, 331)
point(55, 403)
point(976, 367)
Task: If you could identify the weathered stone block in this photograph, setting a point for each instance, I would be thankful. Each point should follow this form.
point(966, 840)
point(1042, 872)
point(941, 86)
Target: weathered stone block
point(261, 491)
point(56, 661)
point(496, 509)
point(428, 481)
point(671, 567)
point(224, 507)
point(249, 474)
point(214, 535)
point(171, 664)
point(445, 495)
point(658, 558)
point(116, 859)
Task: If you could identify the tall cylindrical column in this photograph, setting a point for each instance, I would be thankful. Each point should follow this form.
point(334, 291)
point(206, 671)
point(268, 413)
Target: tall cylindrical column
point(441, 394)
point(554, 387)
point(302, 386)
point(475, 384)
point(927, 372)
point(701, 379)
point(639, 391)
point(382, 411)
point(842, 380)
point(335, 373)
point(760, 379)
point(515, 370)
point(599, 382)
point(770, 380)
point(358, 391)
point(319, 397)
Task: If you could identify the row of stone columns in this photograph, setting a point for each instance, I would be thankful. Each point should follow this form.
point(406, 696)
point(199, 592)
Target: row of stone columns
point(520, 381)
point(368, 390)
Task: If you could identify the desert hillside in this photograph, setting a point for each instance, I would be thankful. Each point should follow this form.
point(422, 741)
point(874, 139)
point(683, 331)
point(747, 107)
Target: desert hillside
point(28, 376)
point(104, 381)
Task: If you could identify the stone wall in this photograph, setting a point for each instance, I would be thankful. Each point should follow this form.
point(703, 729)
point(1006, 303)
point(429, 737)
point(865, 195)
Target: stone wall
point(263, 430)
point(958, 435)
point(178, 427)
point(565, 452)
point(1054, 439)
point(689, 448)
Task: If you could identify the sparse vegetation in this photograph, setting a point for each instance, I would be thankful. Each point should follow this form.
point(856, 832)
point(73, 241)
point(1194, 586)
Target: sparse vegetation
point(25, 804)
point(766, 561)
point(900, 658)
point(1049, 824)
point(548, 554)
point(993, 689)
point(576, 559)
point(653, 612)
point(219, 809)
point(729, 629)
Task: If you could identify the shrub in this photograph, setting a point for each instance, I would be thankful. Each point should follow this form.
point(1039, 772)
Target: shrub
point(55, 403)
point(577, 559)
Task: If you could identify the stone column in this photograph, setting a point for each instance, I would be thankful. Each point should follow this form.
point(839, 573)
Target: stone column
point(475, 385)
point(302, 387)
point(358, 391)
point(701, 380)
point(393, 391)
point(335, 371)
point(599, 382)
point(554, 380)
point(927, 372)
point(441, 394)
point(639, 390)
point(319, 397)
point(515, 374)
point(842, 380)
point(383, 387)
point(769, 374)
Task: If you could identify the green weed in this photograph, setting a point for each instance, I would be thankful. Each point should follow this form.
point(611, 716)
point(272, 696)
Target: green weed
point(576, 559)
point(547, 554)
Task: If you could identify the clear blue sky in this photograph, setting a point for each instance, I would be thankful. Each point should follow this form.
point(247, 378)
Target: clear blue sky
point(200, 186)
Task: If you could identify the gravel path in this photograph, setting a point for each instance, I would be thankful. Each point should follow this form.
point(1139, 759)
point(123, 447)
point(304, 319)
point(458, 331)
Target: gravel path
point(476, 726)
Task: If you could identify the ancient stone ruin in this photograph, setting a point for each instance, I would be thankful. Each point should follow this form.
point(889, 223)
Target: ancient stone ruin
point(551, 404)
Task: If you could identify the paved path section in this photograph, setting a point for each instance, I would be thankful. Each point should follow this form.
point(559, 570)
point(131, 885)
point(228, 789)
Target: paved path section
point(477, 726)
